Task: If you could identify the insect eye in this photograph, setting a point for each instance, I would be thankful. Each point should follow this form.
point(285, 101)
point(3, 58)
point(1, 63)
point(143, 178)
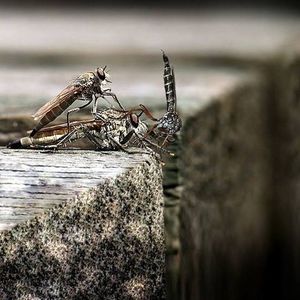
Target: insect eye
point(101, 74)
point(134, 119)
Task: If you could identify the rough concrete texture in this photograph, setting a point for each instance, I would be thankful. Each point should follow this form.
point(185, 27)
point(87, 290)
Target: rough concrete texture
point(216, 83)
point(107, 243)
point(172, 195)
point(223, 208)
point(286, 179)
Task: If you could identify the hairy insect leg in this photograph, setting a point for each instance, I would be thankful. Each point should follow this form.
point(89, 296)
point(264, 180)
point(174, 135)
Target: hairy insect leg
point(121, 146)
point(164, 144)
point(166, 140)
point(143, 140)
point(67, 137)
point(147, 112)
point(92, 139)
point(142, 110)
point(150, 131)
point(94, 107)
point(127, 137)
point(76, 109)
point(97, 144)
point(107, 92)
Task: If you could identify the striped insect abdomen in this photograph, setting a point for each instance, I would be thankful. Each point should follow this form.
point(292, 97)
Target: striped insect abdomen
point(169, 83)
point(53, 114)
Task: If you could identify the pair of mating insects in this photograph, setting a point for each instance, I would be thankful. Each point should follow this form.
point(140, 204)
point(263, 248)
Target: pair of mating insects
point(111, 129)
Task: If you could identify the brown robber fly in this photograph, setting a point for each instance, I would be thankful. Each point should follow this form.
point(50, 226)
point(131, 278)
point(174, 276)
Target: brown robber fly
point(86, 87)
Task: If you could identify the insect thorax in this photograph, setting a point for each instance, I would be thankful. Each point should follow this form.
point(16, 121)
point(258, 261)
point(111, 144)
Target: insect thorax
point(118, 127)
point(170, 123)
point(89, 82)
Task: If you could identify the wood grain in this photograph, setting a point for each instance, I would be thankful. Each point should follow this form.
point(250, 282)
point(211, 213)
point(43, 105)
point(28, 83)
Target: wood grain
point(33, 181)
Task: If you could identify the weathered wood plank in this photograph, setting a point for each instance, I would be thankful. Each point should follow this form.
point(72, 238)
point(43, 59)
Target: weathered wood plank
point(34, 181)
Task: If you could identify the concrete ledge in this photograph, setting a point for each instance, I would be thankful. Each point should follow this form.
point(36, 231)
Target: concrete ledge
point(107, 242)
point(286, 178)
point(225, 172)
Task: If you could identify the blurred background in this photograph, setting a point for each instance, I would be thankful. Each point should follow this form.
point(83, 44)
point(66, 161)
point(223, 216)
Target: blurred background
point(46, 45)
point(270, 4)
point(212, 44)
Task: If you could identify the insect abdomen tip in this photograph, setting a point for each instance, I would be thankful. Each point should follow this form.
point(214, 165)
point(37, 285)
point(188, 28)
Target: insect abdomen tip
point(15, 144)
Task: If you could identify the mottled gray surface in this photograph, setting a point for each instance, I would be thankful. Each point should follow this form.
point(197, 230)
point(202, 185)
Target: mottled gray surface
point(224, 217)
point(286, 177)
point(104, 243)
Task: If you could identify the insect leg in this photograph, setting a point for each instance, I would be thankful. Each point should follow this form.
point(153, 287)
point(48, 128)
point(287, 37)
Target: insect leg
point(94, 107)
point(147, 112)
point(164, 143)
point(54, 147)
point(127, 137)
point(107, 92)
point(121, 146)
point(150, 131)
point(166, 140)
point(93, 139)
point(67, 137)
point(145, 140)
point(76, 109)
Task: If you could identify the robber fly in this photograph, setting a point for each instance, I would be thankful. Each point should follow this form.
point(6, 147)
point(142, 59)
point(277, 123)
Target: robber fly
point(87, 87)
point(114, 129)
point(110, 130)
point(170, 122)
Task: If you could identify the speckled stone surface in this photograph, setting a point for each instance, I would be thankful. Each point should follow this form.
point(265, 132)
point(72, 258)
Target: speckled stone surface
point(223, 207)
point(107, 243)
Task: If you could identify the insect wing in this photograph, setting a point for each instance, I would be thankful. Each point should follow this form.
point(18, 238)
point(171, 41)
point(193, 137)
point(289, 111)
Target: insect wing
point(63, 100)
